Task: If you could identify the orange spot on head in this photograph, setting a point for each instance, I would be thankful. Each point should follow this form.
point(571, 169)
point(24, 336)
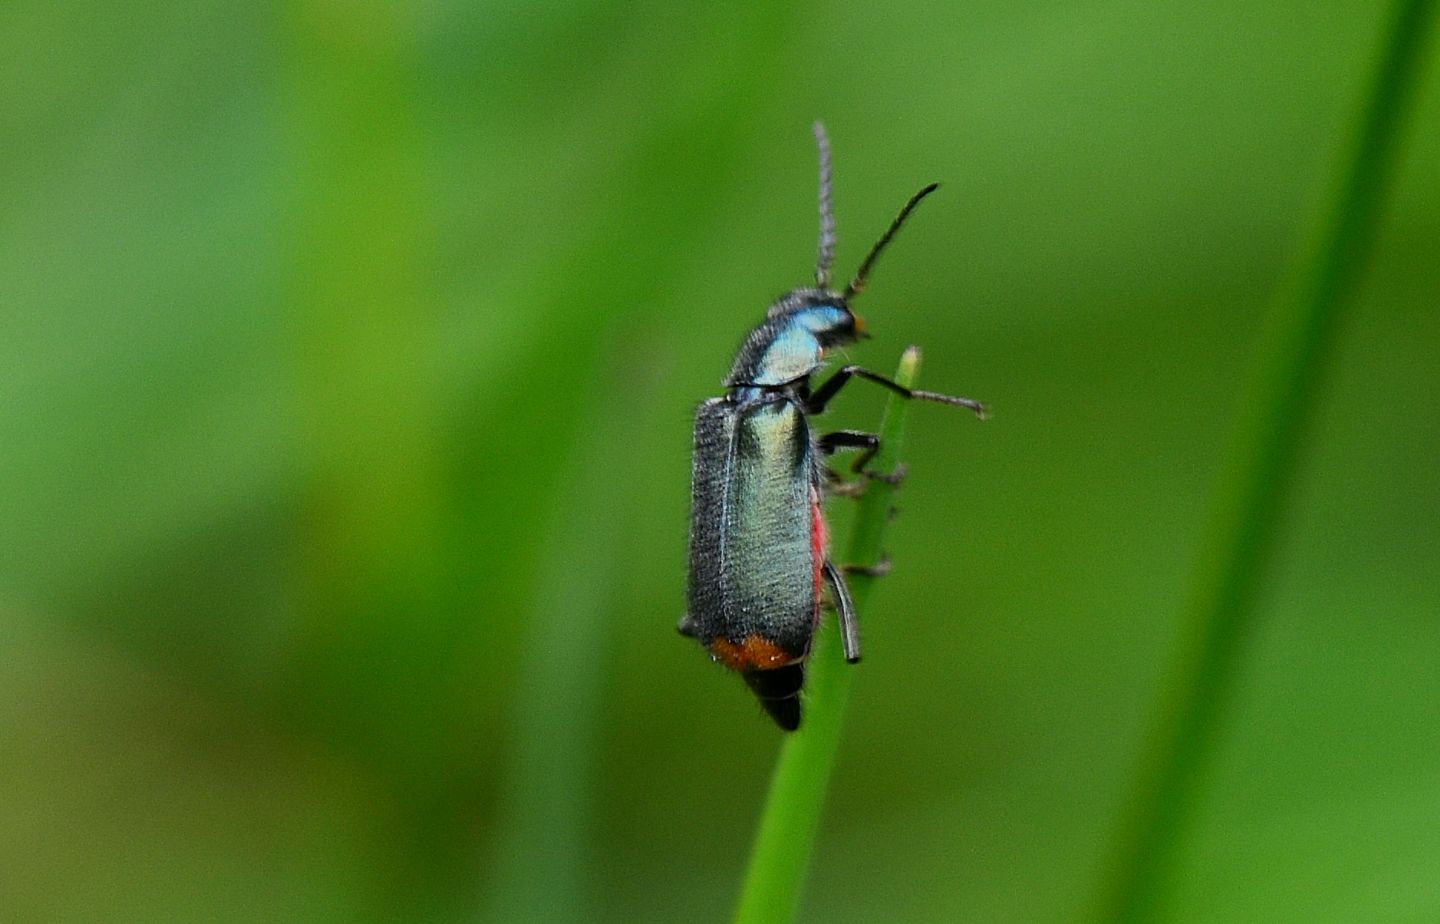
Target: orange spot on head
point(753, 654)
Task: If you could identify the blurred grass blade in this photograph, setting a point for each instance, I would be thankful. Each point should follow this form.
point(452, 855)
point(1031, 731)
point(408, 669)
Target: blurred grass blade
point(539, 869)
point(786, 837)
point(1271, 432)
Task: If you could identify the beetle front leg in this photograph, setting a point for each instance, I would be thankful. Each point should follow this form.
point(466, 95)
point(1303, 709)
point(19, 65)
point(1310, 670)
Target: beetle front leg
point(831, 386)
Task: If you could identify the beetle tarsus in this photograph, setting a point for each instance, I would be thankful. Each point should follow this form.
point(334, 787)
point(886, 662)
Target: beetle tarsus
point(838, 485)
point(979, 407)
point(879, 569)
point(896, 477)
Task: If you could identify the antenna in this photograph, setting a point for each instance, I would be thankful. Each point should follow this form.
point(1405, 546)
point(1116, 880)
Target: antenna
point(827, 211)
point(855, 287)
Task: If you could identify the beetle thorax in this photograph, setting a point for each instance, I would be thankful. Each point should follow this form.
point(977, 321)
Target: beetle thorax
point(792, 341)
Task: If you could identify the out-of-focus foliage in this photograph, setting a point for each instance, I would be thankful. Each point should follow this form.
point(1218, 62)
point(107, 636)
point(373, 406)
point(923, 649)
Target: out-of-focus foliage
point(346, 360)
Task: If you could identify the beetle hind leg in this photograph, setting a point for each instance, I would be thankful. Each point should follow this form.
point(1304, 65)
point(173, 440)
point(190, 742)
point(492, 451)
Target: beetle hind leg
point(845, 607)
point(879, 569)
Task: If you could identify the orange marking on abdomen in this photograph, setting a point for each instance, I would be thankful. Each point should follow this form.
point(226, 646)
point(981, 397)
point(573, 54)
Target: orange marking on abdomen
point(753, 654)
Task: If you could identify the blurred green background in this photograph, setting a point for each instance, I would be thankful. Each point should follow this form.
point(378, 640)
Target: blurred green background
point(347, 353)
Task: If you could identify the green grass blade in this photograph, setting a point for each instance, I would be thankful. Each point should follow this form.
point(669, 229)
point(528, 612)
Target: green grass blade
point(1271, 435)
point(791, 818)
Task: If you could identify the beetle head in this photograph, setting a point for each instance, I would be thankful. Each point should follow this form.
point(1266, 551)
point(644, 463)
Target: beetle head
point(822, 313)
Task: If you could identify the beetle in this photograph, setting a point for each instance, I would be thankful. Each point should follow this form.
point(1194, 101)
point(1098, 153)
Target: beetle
point(759, 556)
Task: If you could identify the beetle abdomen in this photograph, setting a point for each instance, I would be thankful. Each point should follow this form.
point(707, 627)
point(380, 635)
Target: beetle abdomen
point(779, 692)
point(752, 591)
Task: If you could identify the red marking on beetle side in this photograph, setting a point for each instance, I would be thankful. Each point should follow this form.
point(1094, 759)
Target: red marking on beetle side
point(819, 542)
point(753, 654)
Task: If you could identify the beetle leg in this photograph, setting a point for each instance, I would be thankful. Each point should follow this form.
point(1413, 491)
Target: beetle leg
point(867, 443)
point(895, 477)
point(849, 625)
point(831, 386)
point(848, 439)
point(836, 484)
point(879, 569)
point(686, 626)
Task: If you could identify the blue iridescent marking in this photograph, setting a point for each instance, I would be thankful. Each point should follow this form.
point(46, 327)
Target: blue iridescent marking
point(792, 341)
point(820, 318)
